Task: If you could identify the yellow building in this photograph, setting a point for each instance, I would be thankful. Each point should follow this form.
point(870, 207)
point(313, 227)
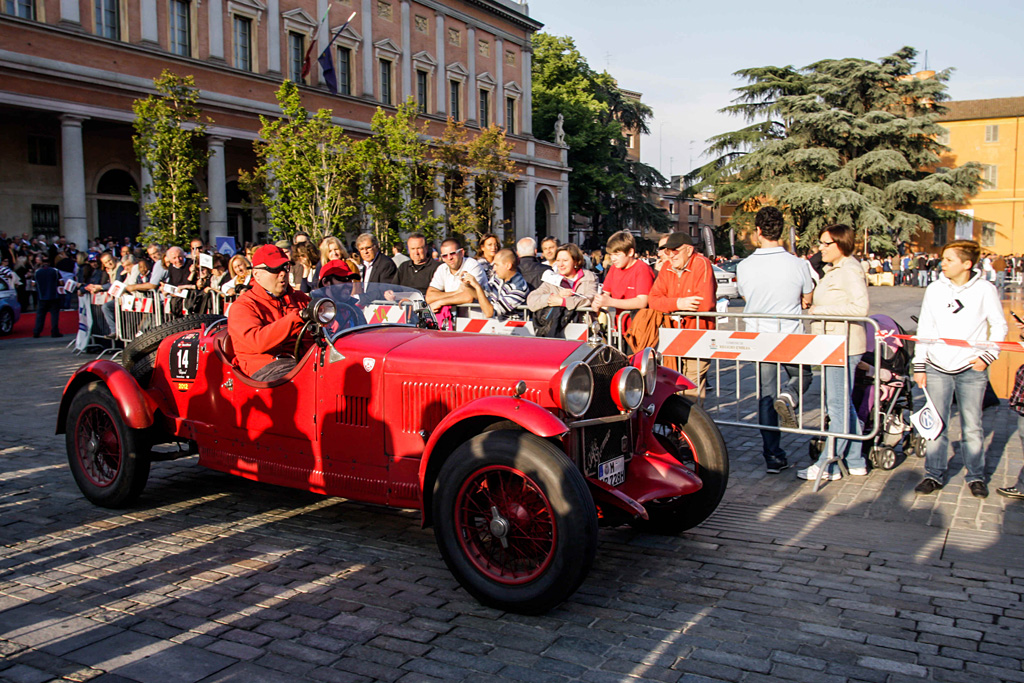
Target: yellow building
point(988, 132)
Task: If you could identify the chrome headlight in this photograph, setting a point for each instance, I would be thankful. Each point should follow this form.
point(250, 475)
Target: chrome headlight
point(649, 369)
point(324, 311)
point(628, 388)
point(576, 389)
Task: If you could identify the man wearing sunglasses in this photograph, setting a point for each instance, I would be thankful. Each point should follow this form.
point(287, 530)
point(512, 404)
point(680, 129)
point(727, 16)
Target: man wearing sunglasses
point(450, 286)
point(264, 322)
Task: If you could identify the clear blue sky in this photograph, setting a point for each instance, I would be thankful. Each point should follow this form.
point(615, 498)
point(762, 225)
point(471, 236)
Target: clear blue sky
point(681, 55)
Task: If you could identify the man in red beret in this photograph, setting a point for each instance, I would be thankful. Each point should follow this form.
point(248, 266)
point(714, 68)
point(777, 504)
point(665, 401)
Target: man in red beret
point(264, 322)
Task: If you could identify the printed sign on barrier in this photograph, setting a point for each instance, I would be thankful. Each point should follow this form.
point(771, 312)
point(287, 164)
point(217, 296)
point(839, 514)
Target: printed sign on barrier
point(808, 349)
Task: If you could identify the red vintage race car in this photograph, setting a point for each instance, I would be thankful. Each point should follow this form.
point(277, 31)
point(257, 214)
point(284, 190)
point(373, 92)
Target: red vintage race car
point(515, 449)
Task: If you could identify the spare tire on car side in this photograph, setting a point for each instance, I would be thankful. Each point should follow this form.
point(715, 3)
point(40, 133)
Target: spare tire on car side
point(139, 355)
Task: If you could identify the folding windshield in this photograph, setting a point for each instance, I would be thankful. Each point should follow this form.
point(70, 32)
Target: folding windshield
point(374, 304)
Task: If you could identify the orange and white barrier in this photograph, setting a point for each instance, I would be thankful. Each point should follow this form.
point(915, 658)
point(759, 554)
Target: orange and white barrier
point(963, 343)
point(519, 328)
point(764, 347)
point(381, 314)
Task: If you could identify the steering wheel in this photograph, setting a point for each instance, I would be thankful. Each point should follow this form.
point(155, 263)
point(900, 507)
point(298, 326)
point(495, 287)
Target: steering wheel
point(348, 316)
point(314, 329)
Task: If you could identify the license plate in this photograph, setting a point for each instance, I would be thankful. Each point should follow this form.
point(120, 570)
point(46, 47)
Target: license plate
point(612, 472)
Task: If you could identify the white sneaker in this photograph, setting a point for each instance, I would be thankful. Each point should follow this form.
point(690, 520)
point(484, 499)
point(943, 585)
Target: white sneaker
point(811, 474)
point(858, 471)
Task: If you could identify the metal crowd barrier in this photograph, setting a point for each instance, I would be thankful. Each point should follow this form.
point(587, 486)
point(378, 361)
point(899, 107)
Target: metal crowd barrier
point(736, 357)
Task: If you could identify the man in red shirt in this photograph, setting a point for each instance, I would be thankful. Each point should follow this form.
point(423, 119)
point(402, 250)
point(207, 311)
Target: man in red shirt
point(686, 284)
point(628, 281)
point(264, 322)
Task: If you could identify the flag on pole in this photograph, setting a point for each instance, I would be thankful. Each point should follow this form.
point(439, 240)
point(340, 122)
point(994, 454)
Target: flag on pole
point(327, 65)
point(307, 60)
point(327, 61)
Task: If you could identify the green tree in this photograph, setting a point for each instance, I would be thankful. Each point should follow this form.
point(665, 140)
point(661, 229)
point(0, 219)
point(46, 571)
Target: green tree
point(474, 170)
point(606, 185)
point(840, 141)
point(306, 176)
point(168, 132)
point(397, 188)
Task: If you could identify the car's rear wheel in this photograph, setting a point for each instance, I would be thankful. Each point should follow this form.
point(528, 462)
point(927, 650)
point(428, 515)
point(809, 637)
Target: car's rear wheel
point(690, 435)
point(6, 320)
point(139, 355)
point(515, 522)
point(107, 458)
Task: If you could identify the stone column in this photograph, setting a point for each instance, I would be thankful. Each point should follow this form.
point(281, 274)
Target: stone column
point(442, 75)
point(216, 187)
point(274, 36)
point(367, 17)
point(150, 31)
point(439, 211)
point(527, 106)
point(146, 198)
point(497, 212)
point(522, 210)
point(564, 219)
point(74, 223)
point(499, 89)
point(215, 12)
point(531, 208)
point(406, 52)
point(69, 12)
point(472, 96)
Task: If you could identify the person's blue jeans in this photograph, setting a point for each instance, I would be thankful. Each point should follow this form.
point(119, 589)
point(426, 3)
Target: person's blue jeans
point(969, 387)
point(1020, 432)
point(768, 375)
point(842, 416)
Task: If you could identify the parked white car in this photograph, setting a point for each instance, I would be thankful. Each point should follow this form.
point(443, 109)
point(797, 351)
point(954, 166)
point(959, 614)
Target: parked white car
point(726, 284)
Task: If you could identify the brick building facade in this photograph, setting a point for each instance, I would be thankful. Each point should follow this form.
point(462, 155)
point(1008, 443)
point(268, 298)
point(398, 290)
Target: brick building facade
point(70, 70)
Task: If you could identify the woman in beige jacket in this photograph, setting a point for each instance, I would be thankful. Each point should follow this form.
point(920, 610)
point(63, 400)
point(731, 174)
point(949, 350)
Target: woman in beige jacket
point(842, 291)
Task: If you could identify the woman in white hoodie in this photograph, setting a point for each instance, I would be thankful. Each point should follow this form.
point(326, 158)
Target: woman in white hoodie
point(961, 304)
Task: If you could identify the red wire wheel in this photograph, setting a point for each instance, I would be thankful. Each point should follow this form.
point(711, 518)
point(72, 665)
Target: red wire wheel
point(514, 521)
point(108, 459)
point(693, 439)
point(505, 525)
point(98, 445)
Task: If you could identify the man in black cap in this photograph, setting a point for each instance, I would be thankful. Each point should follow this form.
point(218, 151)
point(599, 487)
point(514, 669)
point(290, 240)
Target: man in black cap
point(686, 284)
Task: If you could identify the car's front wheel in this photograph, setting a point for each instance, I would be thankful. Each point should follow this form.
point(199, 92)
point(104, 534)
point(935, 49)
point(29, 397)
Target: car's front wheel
point(515, 522)
point(6, 320)
point(107, 457)
point(686, 431)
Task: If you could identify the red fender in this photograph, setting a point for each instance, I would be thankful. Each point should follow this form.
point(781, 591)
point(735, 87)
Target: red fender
point(527, 414)
point(670, 382)
point(137, 407)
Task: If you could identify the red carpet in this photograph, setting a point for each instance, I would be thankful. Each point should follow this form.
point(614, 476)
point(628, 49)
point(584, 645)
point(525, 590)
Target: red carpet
point(23, 328)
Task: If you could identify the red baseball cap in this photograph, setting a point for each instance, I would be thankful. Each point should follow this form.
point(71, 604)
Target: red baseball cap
point(269, 256)
point(337, 268)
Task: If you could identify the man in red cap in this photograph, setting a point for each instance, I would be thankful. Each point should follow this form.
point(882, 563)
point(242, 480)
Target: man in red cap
point(264, 322)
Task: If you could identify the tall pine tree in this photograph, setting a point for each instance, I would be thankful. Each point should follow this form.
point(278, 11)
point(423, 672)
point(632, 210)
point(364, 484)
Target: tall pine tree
point(840, 141)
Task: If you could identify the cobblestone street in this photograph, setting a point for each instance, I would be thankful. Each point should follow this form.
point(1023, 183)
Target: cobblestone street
point(212, 578)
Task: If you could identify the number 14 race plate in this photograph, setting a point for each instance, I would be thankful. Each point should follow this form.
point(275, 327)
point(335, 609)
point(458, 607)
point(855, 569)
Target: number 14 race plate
point(612, 472)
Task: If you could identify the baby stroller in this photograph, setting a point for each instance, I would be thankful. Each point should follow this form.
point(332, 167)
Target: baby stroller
point(895, 398)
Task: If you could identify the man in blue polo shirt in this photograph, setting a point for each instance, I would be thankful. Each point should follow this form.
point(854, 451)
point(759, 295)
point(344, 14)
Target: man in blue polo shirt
point(771, 280)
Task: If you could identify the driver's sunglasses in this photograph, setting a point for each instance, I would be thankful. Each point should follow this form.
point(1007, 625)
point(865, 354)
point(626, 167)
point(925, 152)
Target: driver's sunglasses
point(662, 248)
point(277, 271)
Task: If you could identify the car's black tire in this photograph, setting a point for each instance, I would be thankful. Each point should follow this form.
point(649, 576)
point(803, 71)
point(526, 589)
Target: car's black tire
point(109, 460)
point(6, 321)
point(514, 521)
point(692, 437)
point(147, 343)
